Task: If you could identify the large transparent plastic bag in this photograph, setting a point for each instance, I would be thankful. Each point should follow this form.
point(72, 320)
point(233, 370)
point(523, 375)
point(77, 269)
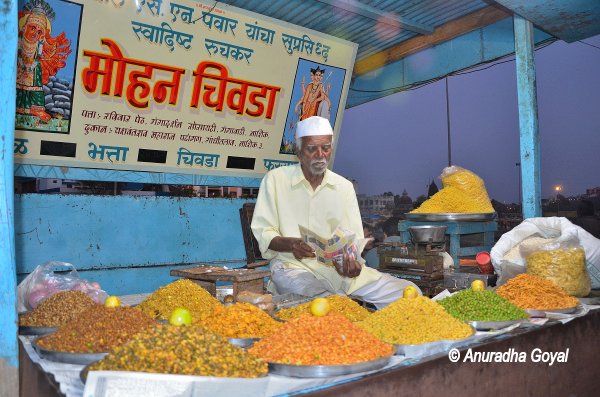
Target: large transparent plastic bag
point(463, 192)
point(50, 278)
point(561, 261)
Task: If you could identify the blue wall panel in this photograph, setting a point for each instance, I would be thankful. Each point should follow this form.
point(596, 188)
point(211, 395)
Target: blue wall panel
point(128, 233)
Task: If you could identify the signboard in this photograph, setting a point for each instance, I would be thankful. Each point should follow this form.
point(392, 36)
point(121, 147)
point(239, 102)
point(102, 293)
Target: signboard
point(170, 86)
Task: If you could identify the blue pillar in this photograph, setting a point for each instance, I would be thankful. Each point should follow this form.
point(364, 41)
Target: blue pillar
point(9, 354)
point(528, 118)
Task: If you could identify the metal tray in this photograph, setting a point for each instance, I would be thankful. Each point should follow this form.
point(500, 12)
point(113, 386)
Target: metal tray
point(325, 371)
point(27, 330)
point(487, 325)
point(543, 313)
point(430, 348)
point(83, 373)
point(67, 357)
point(451, 216)
point(288, 300)
point(243, 342)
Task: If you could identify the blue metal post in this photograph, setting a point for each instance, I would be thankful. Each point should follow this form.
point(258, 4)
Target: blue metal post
point(528, 118)
point(9, 353)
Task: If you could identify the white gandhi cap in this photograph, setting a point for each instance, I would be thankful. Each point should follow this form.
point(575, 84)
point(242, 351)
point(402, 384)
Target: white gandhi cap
point(312, 126)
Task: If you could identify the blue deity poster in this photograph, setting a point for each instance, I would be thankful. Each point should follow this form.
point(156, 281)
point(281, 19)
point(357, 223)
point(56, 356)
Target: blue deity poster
point(317, 92)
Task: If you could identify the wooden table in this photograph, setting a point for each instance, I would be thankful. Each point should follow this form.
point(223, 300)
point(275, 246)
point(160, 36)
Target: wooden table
point(243, 279)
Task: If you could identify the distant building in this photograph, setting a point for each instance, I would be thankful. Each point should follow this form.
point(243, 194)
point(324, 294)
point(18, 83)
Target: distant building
point(433, 189)
point(593, 192)
point(404, 203)
point(375, 204)
point(68, 186)
point(64, 186)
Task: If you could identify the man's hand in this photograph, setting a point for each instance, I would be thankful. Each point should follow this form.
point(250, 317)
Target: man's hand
point(295, 245)
point(349, 267)
point(302, 250)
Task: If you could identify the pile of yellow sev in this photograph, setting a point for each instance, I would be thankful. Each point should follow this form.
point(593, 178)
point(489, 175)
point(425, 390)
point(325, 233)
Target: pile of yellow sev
point(182, 293)
point(416, 320)
point(462, 192)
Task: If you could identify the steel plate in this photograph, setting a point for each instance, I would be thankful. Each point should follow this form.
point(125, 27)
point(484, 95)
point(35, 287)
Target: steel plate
point(67, 357)
point(325, 371)
point(430, 348)
point(243, 342)
point(451, 216)
point(424, 349)
point(543, 313)
point(84, 373)
point(487, 325)
point(27, 330)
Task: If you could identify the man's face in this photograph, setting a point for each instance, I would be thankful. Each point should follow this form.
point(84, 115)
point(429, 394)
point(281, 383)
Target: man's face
point(315, 153)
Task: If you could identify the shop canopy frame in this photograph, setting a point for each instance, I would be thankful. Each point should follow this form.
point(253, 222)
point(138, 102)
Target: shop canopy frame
point(392, 36)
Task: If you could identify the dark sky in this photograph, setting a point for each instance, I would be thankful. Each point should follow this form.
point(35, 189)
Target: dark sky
point(400, 141)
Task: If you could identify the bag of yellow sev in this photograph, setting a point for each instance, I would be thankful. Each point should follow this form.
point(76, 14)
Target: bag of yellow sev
point(462, 191)
point(561, 261)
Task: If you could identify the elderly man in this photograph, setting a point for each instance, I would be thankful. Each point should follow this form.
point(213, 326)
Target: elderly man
point(310, 195)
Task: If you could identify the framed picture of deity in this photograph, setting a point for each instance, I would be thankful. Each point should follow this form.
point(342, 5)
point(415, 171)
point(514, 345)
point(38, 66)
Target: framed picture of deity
point(46, 64)
point(317, 91)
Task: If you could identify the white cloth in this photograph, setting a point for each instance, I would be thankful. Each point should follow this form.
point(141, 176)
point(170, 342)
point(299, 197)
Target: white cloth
point(382, 292)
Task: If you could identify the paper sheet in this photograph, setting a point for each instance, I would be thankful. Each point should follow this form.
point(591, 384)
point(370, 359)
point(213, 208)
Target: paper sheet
point(328, 249)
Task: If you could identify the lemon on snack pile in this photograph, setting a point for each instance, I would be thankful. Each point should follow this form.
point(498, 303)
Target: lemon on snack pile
point(478, 285)
point(112, 301)
point(180, 316)
point(320, 307)
point(410, 292)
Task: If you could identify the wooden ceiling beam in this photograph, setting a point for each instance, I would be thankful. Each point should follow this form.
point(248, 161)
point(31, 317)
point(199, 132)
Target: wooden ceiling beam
point(450, 30)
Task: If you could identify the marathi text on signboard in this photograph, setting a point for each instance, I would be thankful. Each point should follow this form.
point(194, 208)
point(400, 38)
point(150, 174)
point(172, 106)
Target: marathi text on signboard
point(169, 86)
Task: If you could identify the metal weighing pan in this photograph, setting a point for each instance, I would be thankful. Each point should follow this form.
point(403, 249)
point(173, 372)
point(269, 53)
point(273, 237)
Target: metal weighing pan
point(27, 330)
point(325, 371)
point(451, 216)
point(67, 357)
point(487, 325)
point(243, 342)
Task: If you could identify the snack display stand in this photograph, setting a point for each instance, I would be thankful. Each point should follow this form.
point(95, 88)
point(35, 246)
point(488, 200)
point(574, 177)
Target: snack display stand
point(430, 375)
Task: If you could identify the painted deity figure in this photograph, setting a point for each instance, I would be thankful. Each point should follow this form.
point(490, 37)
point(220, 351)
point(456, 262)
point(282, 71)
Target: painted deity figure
point(315, 97)
point(39, 57)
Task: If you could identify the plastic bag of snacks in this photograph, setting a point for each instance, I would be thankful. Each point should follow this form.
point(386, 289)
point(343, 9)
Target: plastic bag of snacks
point(561, 261)
point(52, 277)
point(507, 257)
point(463, 192)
